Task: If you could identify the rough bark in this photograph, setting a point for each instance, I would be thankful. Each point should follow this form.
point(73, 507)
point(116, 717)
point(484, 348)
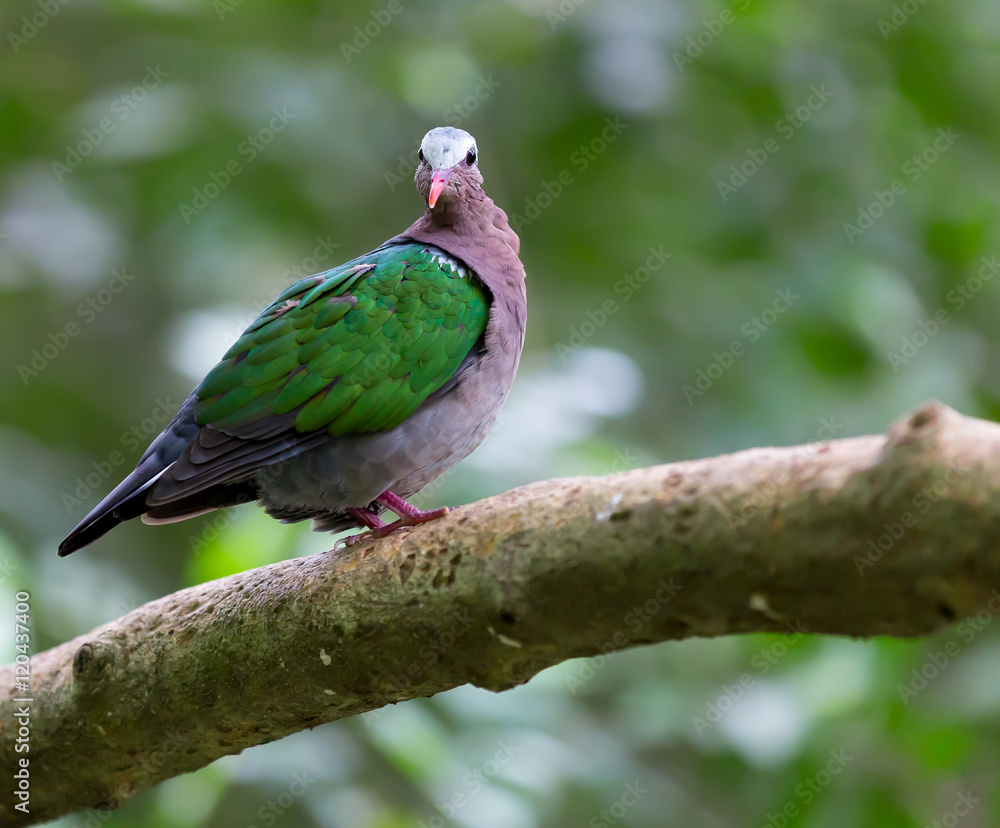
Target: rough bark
point(883, 535)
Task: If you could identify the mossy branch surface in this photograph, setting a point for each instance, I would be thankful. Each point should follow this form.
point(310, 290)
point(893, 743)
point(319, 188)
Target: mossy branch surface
point(896, 535)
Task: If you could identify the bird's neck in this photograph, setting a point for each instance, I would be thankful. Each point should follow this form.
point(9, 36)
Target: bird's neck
point(471, 215)
point(470, 204)
point(445, 213)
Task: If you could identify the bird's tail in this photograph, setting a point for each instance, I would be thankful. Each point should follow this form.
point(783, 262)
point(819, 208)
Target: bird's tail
point(127, 501)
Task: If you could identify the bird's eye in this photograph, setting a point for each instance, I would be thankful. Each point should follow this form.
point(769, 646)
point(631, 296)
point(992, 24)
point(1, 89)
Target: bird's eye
point(420, 155)
point(470, 159)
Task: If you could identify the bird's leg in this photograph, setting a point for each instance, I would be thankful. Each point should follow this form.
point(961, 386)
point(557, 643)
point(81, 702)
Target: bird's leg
point(370, 521)
point(408, 515)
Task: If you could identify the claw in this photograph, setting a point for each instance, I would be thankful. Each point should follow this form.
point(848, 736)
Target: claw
point(352, 540)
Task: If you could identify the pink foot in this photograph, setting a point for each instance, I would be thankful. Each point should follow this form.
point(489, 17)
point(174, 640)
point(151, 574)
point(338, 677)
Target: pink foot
point(408, 515)
point(372, 523)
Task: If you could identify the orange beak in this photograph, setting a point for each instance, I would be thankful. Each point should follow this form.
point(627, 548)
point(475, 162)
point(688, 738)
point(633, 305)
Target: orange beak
point(438, 182)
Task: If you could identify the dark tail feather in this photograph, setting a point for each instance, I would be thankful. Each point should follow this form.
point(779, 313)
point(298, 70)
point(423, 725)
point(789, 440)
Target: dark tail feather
point(113, 509)
point(128, 500)
point(124, 503)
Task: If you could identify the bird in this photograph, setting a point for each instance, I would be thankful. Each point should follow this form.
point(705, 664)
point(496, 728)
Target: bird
point(357, 386)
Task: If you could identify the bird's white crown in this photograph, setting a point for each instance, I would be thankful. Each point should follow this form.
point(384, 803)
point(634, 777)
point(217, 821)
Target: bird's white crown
point(444, 147)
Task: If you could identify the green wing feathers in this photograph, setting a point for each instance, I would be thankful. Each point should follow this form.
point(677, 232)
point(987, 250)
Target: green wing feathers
point(356, 349)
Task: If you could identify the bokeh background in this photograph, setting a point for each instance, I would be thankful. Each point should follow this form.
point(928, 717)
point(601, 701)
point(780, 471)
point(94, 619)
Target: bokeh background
point(810, 188)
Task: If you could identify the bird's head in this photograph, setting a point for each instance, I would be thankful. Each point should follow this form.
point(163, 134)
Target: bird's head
point(448, 165)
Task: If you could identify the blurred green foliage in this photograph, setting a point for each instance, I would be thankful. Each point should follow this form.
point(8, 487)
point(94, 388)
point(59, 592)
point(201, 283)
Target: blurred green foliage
point(744, 224)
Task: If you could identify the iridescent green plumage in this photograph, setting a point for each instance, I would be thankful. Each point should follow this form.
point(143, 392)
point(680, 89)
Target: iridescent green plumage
point(356, 349)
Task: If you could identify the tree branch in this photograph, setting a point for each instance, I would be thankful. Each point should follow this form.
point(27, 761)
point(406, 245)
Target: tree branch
point(885, 535)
